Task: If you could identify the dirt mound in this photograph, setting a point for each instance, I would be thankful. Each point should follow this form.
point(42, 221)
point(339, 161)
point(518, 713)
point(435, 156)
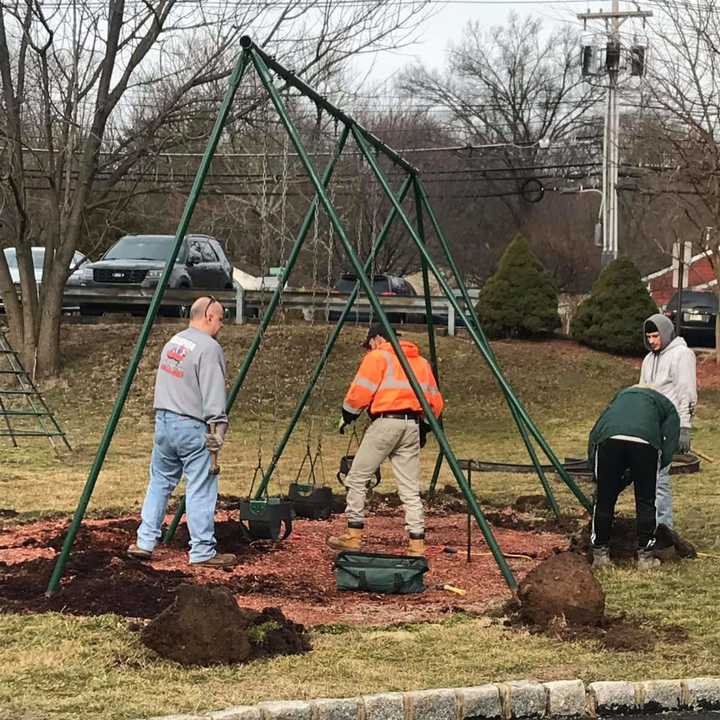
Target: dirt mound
point(94, 583)
point(204, 626)
point(562, 587)
point(271, 633)
point(529, 513)
point(623, 539)
point(671, 546)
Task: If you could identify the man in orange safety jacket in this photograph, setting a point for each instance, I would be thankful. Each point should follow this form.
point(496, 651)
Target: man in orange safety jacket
point(397, 433)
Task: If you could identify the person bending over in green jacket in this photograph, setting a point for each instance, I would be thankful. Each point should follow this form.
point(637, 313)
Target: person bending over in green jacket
point(637, 432)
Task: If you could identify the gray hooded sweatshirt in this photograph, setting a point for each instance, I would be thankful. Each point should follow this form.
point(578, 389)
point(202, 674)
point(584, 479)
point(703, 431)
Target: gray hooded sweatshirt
point(671, 370)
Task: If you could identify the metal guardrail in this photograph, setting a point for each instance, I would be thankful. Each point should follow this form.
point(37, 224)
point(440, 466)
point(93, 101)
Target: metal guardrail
point(246, 303)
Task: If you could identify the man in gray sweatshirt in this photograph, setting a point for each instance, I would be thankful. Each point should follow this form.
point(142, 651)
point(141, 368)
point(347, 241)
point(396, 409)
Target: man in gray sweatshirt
point(190, 423)
point(669, 368)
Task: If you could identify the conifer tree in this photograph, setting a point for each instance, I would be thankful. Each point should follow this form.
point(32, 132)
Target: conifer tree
point(611, 318)
point(520, 299)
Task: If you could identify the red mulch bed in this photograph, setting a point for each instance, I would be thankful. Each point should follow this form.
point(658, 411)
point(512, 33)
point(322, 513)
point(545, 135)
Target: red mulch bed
point(295, 575)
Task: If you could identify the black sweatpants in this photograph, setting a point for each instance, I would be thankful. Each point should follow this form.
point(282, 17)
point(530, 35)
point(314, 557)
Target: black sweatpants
point(613, 458)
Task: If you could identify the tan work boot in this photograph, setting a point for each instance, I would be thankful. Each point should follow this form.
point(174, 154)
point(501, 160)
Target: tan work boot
point(138, 553)
point(416, 545)
point(219, 560)
point(351, 539)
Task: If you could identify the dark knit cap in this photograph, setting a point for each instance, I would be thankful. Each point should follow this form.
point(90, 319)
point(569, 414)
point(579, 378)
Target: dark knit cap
point(376, 330)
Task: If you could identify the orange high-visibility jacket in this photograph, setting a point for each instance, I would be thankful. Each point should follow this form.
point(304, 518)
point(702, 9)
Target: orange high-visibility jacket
point(382, 386)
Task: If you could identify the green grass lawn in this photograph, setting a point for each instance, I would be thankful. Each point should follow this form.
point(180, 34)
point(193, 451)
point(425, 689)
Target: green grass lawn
point(60, 666)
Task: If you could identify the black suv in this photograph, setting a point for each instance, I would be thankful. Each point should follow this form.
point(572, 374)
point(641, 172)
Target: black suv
point(699, 310)
point(138, 261)
point(382, 285)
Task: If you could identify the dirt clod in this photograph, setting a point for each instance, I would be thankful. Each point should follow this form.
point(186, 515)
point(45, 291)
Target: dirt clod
point(204, 626)
point(561, 588)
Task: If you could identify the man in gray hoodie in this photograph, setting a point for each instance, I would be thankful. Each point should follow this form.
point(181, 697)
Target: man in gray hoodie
point(190, 424)
point(669, 368)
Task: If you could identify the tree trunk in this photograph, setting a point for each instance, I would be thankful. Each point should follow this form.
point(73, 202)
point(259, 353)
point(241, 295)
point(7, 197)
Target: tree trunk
point(50, 313)
point(48, 356)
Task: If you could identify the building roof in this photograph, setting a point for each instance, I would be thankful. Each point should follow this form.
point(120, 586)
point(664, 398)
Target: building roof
point(701, 276)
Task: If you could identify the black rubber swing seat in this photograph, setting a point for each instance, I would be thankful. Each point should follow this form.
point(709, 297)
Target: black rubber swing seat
point(267, 518)
point(311, 501)
point(346, 462)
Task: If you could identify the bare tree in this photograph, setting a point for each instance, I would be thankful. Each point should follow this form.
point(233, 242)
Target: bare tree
point(685, 87)
point(516, 91)
point(91, 91)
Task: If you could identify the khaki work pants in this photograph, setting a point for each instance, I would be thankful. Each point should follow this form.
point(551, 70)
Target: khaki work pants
point(399, 441)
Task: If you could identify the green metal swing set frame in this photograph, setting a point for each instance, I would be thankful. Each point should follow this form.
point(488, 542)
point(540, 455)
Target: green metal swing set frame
point(369, 146)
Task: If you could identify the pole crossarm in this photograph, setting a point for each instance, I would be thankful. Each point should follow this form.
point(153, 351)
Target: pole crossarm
point(621, 15)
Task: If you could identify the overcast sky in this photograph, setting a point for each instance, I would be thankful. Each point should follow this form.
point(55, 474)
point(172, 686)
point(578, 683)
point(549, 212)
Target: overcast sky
point(446, 25)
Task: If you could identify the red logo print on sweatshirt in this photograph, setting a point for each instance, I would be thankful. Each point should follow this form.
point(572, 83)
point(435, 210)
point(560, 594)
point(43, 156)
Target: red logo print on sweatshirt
point(178, 354)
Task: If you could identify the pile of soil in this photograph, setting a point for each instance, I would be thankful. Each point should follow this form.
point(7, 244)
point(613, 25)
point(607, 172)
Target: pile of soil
point(561, 598)
point(561, 588)
point(205, 626)
point(295, 575)
point(623, 540)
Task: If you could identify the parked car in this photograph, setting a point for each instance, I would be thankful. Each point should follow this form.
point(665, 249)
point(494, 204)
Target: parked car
point(384, 285)
point(38, 258)
point(138, 261)
point(697, 322)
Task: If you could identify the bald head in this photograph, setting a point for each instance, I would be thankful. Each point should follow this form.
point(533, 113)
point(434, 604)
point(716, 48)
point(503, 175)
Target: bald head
point(207, 315)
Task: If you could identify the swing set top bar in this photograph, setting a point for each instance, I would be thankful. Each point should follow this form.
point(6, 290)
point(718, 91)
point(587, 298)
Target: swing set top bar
point(247, 43)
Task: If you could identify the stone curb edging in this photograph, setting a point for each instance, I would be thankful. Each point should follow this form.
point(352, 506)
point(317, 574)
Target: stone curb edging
point(562, 699)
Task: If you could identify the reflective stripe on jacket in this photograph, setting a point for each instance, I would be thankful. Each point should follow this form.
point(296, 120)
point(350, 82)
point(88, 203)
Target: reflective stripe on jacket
point(382, 386)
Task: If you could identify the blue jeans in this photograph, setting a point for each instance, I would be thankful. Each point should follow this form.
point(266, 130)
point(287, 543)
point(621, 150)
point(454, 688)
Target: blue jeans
point(180, 447)
point(663, 498)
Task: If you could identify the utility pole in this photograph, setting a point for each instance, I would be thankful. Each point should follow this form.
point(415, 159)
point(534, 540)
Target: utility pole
point(617, 60)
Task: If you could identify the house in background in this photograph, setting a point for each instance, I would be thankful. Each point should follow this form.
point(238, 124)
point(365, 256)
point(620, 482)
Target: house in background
point(663, 283)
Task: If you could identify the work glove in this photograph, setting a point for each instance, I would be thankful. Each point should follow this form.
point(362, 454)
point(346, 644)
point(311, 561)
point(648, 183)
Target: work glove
point(684, 442)
point(348, 418)
point(214, 441)
point(425, 428)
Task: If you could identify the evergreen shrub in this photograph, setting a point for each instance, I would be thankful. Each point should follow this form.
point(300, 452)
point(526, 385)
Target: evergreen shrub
point(611, 318)
point(520, 299)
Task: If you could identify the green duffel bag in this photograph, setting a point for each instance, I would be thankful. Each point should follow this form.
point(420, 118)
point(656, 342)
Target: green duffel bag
point(379, 573)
